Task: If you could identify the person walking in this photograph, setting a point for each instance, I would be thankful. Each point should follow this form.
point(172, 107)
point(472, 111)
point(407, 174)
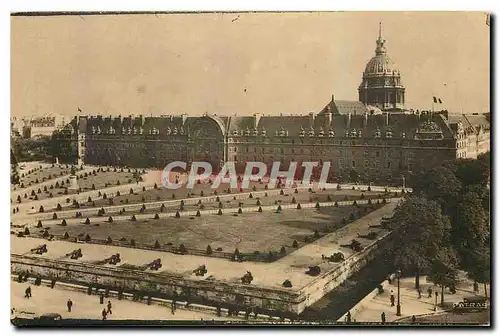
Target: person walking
point(101, 298)
point(109, 308)
point(348, 317)
point(392, 299)
point(382, 317)
point(413, 319)
point(419, 291)
point(69, 304)
point(429, 292)
point(104, 314)
point(27, 292)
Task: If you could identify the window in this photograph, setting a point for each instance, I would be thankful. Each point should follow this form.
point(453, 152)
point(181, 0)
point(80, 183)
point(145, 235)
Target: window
point(282, 151)
point(367, 163)
point(353, 163)
point(235, 149)
point(388, 164)
point(341, 163)
point(246, 149)
point(293, 150)
point(377, 153)
point(377, 163)
point(410, 166)
point(365, 153)
point(235, 158)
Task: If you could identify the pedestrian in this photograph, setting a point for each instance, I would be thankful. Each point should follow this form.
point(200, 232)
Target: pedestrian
point(348, 317)
point(476, 287)
point(413, 319)
point(104, 314)
point(419, 292)
point(429, 291)
point(69, 304)
point(101, 298)
point(382, 317)
point(27, 292)
point(392, 299)
point(109, 307)
point(218, 311)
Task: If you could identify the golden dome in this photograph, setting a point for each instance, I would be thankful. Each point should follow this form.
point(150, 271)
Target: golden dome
point(381, 64)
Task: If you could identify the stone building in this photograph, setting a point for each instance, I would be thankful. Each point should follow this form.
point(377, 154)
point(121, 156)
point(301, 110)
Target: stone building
point(375, 139)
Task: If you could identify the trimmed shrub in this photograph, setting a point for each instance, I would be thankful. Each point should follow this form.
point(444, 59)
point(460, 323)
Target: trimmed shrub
point(131, 192)
point(369, 201)
point(250, 196)
point(157, 216)
point(352, 216)
point(173, 196)
point(157, 245)
point(295, 244)
point(317, 205)
point(219, 212)
point(362, 196)
point(260, 209)
point(133, 218)
point(54, 216)
point(217, 199)
point(104, 196)
point(198, 213)
point(354, 203)
point(339, 187)
point(26, 231)
point(182, 248)
point(63, 223)
point(93, 187)
point(66, 235)
point(384, 201)
point(299, 206)
point(287, 284)
point(155, 186)
point(110, 219)
point(87, 238)
point(278, 209)
point(41, 209)
point(209, 250)
point(258, 202)
point(132, 242)
point(109, 240)
point(118, 194)
point(316, 234)
point(87, 221)
point(283, 250)
point(240, 211)
point(39, 224)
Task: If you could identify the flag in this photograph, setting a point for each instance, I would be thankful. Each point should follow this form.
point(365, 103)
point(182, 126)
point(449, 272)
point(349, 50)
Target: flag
point(440, 102)
point(79, 110)
point(435, 99)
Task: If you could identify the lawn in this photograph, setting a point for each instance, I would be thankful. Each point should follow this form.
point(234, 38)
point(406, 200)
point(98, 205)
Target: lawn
point(249, 232)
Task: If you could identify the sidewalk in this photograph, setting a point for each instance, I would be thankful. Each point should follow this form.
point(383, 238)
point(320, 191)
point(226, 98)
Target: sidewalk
point(410, 303)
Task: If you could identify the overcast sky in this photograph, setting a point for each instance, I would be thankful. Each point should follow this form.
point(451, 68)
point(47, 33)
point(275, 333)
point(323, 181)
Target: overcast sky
point(241, 63)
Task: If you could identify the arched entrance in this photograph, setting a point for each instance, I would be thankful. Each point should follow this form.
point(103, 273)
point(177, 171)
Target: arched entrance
point(206, 142)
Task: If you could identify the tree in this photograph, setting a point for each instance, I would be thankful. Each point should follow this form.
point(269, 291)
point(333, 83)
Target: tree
point(443, 270)
point(353, 176)
point(470, 227)
point(480, 269)
point(441, 185)
point(421, 229)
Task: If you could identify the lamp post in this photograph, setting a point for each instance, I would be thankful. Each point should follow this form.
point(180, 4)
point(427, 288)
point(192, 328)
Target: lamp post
point(398, 307)
point(436, 301)
point(403, 178)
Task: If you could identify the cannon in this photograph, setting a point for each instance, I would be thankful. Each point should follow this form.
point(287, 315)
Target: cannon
point(40, 249)
point(313, 270)
point(200, 271)
point(247, 278)
point(154, 265)
point(336, 257)
point(75, 254)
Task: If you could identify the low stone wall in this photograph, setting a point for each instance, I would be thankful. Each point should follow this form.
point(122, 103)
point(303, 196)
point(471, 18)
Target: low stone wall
point(164, 285)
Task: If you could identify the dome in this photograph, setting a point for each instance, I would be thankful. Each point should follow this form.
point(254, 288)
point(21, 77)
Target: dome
point(381, 64)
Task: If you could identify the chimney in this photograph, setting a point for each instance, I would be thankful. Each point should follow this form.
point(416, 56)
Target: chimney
point(387, 119)
point(311, 119)
point(349, 121)
point(256, 118)
point(365, 120)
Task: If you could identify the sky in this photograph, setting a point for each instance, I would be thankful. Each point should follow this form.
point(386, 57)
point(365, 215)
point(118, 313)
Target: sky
point(241, 63)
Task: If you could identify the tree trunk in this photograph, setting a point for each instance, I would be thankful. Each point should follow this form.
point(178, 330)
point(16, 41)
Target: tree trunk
point(485, 291)
point(442, 295)
point(417, 278)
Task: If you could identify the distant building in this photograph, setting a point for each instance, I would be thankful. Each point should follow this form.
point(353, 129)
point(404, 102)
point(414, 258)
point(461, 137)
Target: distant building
point(376, 137)
point(32, 127)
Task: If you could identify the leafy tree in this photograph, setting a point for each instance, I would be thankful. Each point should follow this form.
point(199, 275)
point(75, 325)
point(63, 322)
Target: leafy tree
point(443, 270)
point(441, 185)
point(480, 269)
point(422, 230)
point(470, 227)
point(471, 171)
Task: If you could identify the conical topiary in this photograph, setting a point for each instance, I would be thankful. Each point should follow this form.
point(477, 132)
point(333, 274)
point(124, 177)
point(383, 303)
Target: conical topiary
point(63, 223)
point(240, 211)
point(87, 221)
point(219, 212)
point(260, 209)
point(299, 206)
point(157, 216)
point(198, 213)
point(177, 214)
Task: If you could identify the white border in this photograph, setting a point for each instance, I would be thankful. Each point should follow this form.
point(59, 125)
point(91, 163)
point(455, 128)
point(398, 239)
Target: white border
point(185, 5)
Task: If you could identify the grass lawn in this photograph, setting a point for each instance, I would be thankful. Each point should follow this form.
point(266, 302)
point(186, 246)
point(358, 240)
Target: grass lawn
point(249, 232)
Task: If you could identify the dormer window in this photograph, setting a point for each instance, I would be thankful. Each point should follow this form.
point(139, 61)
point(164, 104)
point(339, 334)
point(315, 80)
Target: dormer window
point(247, 132)
point(346, 133)
point(403, 135)
point(360, 134)
point(302, 132)
point(93, 130)
point(263, 131)
point(135, 130)
point(169, 130)
point(377, 133)
point(175, 131)
point(321, 132)
point(331, 133)
point(255, 132)
point(235, 132)
point(141, 130)
point(129, 130)
point(98, 130)
point(311, 131)
point(353, 133)
point(388, 134)
point(282, 131)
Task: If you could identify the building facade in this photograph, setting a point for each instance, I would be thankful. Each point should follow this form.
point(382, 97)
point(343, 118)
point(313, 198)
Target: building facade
point(374, 139)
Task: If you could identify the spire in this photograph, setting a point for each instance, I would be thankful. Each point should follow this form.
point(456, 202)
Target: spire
point(380, 42)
